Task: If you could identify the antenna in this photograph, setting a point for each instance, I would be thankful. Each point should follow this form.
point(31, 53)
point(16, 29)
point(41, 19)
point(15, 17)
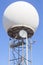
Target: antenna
point(20, 21)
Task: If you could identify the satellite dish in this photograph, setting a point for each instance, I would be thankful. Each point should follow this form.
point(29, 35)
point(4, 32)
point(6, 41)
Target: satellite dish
point(19, 16)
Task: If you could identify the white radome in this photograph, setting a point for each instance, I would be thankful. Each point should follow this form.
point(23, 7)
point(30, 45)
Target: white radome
point(21, 13)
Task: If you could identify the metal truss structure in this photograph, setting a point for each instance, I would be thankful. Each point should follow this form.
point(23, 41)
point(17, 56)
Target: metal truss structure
point(17, 52)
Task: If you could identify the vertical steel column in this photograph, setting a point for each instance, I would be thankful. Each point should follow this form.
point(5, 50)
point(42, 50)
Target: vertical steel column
point(22, 53)
point(26, 50)
point(9, 55)
point(31, 51)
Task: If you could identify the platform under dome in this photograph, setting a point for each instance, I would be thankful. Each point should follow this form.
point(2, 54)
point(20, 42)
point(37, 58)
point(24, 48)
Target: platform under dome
point(18, 16)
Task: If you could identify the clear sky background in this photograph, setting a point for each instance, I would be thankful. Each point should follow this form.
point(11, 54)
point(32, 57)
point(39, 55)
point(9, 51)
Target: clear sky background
point(38, 36)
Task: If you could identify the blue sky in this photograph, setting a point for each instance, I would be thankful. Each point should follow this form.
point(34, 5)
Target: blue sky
point(38, 36)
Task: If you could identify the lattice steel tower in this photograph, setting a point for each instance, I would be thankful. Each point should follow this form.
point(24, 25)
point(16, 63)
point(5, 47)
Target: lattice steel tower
point(20, 20)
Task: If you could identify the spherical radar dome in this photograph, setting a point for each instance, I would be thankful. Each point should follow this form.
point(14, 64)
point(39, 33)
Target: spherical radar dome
point(20, 15)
